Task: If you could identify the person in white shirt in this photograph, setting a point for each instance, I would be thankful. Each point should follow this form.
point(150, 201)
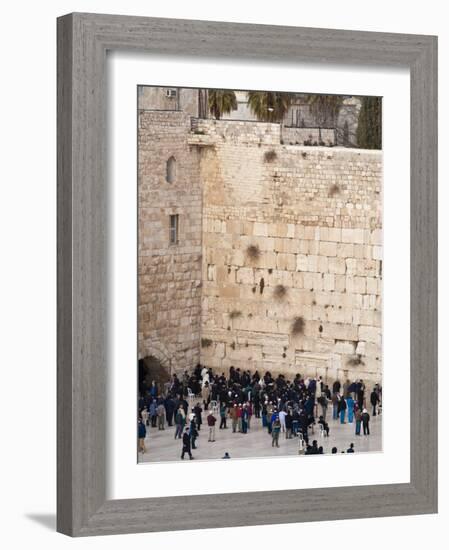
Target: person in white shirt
point(282, 415)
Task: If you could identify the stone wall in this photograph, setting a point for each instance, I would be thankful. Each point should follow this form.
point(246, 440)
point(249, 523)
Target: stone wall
point(289, 233)
point(169, 274)
point(279, 261)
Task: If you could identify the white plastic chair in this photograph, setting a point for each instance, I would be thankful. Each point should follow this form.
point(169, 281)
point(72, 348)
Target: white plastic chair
point(213, 406)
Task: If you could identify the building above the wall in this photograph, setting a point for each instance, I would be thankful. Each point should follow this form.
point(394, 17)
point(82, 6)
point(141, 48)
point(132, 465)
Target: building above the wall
point(301, 123)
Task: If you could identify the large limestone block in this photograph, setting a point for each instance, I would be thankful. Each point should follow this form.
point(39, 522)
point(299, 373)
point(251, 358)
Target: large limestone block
point(317, 281)
point(279, 230)
point(372, 285)
point(290, 230)
point(340, 283)
point(337, 266)
point(234, 227)
point(311, 232)
point(334, 234)
point(302, 263)
point(345, 347)
point(298, 280)
point(286, 262)
point(335, 315)
point(345, 250)
point(341, 331)
point(376, 237)
point(351, 266)
point(290, 246)
point(237, 258)
point(313, 247)
point(266, 260)
point(370, 334)
point(312, 263)
point(245, 275)
point(229, 291)
point(303, 246)
point(329, 282)
point(360, 285)
point(328, 248)
point(260, 229)
point(308, 280)
point(377, 252)
point(363, 251)
point(355, 236)
point(279, 277)
point(266, 244)
point(323, 264)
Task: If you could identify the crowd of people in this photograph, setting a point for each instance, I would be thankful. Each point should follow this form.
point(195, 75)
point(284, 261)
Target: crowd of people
point(289, 407)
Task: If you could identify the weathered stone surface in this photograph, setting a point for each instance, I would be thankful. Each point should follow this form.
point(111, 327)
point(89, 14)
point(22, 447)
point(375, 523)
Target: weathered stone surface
point(316, 254)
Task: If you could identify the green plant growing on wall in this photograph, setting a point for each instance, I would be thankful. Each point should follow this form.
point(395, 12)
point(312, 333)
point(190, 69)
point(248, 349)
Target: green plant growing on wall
point(280, 291)
point(235, 314)
point(270, 156)
point(369, 127)
point(298, 326)
point(206, 342)
point(221, 102)
point(355, 361)
point(253, 251)
point(334, 190)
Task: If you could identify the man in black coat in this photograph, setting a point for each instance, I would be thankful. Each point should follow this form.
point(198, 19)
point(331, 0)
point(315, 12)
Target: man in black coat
point(374, 398)
point(169, 404)
point(336, 387)
point(186, 445)
point(365, 422)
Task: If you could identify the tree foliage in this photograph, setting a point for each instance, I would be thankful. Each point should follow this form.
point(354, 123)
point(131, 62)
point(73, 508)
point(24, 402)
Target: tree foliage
point(369, 128)
point(221, 102)
point(325, 109)
point(270, 106)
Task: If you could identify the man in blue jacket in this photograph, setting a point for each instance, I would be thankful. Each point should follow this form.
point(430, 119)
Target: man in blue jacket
point(141, 434)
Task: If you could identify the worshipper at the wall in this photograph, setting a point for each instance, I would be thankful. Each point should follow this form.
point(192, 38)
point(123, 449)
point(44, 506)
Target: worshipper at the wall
point(358, 421)
point(276, 430)
point(186, 444)
point(291, 405)
point(141, 434)
point(365, 422)
point(211, 420)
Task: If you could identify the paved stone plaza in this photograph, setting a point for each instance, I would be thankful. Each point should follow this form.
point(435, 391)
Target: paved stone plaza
point(161, 445)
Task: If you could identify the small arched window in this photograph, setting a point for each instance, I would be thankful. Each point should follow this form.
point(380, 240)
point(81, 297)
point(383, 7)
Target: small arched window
point(171, 170)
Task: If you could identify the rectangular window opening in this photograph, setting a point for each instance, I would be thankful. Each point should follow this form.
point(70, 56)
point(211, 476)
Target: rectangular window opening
point(174, 227)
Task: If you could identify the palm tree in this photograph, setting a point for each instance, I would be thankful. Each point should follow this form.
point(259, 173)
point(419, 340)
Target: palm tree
point(221, 102)
point(325, 109)
point(270, 106)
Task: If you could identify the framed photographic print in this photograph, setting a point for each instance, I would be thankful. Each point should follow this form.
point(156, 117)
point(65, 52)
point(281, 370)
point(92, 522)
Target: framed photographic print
point(246, 274)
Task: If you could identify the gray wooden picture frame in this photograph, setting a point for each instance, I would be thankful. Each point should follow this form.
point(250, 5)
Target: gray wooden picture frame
point(83, 40)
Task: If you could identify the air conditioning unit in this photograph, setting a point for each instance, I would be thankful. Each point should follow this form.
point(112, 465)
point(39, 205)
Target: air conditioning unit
point(171, 92)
